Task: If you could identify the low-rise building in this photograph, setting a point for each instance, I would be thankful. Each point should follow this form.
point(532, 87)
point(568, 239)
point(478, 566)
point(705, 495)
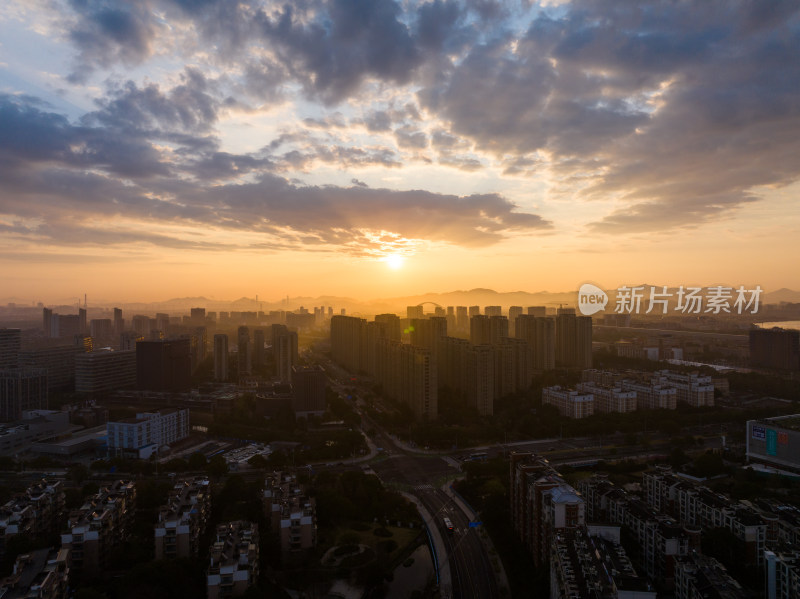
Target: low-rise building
point(182, 520)
point(99, 526)
point(570, 403)
point(609, 399)
point(292, 516)
point(588, 566)
point(40, 574)
point(233, 566)
point(701, 577)
point(36, 512)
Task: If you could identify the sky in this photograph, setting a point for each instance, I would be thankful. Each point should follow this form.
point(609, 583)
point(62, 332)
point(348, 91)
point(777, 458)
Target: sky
point(371, 148)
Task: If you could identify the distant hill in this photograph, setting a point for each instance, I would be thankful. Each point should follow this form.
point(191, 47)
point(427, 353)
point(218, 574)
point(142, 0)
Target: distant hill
point(473, 297)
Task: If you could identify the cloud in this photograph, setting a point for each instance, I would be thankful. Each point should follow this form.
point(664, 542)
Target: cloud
point(78, 185)
point(106, 33)
point(676, 111)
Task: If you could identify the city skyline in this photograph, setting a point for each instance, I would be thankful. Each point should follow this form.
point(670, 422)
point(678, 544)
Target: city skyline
point(382, 149)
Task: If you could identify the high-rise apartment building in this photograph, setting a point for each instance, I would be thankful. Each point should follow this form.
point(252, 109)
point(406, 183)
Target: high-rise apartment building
point(493, 311)
point(119, 322)
point(414, 312)
point(284, 351)
point(776, 349)
point(22, 390)
point(573, 339)
point(487, 330)
point(10, 345)
point(408, 374)
point(462, 319)
point(540, 335)
point(220, 357)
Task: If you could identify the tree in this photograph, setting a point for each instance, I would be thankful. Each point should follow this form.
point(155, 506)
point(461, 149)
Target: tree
point(217, 466)
point(197, 461)
point(78, 473)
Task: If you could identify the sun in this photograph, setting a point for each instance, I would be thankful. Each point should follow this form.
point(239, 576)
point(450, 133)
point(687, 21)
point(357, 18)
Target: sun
point(394, 261)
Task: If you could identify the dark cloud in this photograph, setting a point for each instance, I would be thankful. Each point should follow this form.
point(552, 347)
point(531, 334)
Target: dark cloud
point(36, 136)
point(106, 33)
point(190, 107)
point(349, 41)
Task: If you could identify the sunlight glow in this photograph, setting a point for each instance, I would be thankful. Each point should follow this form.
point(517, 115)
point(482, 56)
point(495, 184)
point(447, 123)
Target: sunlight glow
point(394, 261)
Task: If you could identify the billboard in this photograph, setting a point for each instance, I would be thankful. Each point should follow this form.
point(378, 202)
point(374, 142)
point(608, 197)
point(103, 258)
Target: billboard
point(772, 442)
point(759, 432)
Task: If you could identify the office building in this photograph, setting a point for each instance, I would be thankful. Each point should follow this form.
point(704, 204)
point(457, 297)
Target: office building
point(182, 520)
point(233, 566)
point(775, 442)
point(144, 435)
point(104, 370)
point(22, 390)
point(164, 365)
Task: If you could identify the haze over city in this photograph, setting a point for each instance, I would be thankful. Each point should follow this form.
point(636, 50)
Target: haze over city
point(361, 299)
point(167, 149)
